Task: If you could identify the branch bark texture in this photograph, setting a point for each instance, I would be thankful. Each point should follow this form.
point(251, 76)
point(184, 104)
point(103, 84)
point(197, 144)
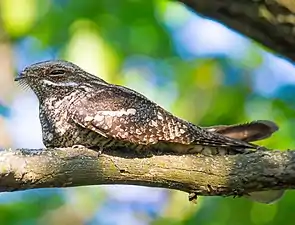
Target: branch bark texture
point(219, 175)
point(269, 22)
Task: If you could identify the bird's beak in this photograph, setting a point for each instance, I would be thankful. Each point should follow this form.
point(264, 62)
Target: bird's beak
point(20, 76)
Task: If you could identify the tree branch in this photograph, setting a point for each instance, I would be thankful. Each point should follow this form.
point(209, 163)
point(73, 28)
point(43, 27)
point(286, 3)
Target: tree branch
point(269, 22)
point(219, 175)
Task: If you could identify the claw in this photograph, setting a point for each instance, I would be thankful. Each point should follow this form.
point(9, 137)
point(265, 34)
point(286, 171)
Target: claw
point(99, 152)
point(193, 197)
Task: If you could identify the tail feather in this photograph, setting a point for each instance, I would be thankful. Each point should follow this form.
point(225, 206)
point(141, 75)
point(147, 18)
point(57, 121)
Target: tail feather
point(248, 132)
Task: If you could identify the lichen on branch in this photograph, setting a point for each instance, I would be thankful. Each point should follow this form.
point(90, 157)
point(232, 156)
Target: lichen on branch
point(217, 175)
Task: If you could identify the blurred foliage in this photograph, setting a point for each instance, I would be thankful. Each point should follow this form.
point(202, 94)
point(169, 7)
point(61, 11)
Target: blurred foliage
point(135, 43)
point(29, 207)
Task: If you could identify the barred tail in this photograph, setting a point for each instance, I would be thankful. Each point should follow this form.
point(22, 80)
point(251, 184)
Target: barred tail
point(248, 132)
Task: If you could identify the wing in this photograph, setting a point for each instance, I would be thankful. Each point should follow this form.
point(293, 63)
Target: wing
point(120, 113)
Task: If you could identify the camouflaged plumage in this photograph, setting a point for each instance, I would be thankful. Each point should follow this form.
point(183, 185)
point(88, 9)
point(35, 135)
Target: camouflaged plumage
point(77, 108)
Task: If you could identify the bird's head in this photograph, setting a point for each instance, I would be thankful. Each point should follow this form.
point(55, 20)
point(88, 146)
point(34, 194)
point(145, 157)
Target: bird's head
point(55, 77)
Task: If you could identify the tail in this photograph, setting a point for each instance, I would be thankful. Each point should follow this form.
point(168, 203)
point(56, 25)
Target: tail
point(248, 132)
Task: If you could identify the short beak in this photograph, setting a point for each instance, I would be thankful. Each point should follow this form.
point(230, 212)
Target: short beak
point(19, 77)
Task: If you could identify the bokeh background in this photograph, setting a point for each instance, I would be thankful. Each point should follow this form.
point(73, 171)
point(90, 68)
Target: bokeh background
point(192, 66)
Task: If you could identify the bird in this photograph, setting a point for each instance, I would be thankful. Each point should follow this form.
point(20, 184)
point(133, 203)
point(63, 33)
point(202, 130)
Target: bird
point(77, 108)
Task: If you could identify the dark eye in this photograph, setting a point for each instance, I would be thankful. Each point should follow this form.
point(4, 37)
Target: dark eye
point(57, 72)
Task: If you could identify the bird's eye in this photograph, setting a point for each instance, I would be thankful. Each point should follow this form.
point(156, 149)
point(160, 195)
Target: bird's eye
point(57, 72)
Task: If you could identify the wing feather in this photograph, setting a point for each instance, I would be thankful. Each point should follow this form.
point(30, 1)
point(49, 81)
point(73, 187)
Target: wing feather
point(125, 115)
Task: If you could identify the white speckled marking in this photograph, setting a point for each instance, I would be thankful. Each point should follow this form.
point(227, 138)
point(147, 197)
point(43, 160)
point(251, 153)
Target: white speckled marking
point(62, 84)
point(153, 123)
point(182, 131)
point(98, 118)
point(160, 117)
point(108, 121)
point(116, 113)
point(49, 136)
point(88, 118)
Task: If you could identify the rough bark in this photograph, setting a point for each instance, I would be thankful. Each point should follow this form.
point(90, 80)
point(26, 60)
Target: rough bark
point(269, 22)
point(220, 175)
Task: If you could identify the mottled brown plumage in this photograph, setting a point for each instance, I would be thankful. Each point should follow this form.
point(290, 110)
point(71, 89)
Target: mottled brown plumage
point(77, 108)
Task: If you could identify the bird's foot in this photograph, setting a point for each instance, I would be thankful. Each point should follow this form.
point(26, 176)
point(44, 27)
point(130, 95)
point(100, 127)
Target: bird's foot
point(193, 197)
point(79, 146)
point(99, 151)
